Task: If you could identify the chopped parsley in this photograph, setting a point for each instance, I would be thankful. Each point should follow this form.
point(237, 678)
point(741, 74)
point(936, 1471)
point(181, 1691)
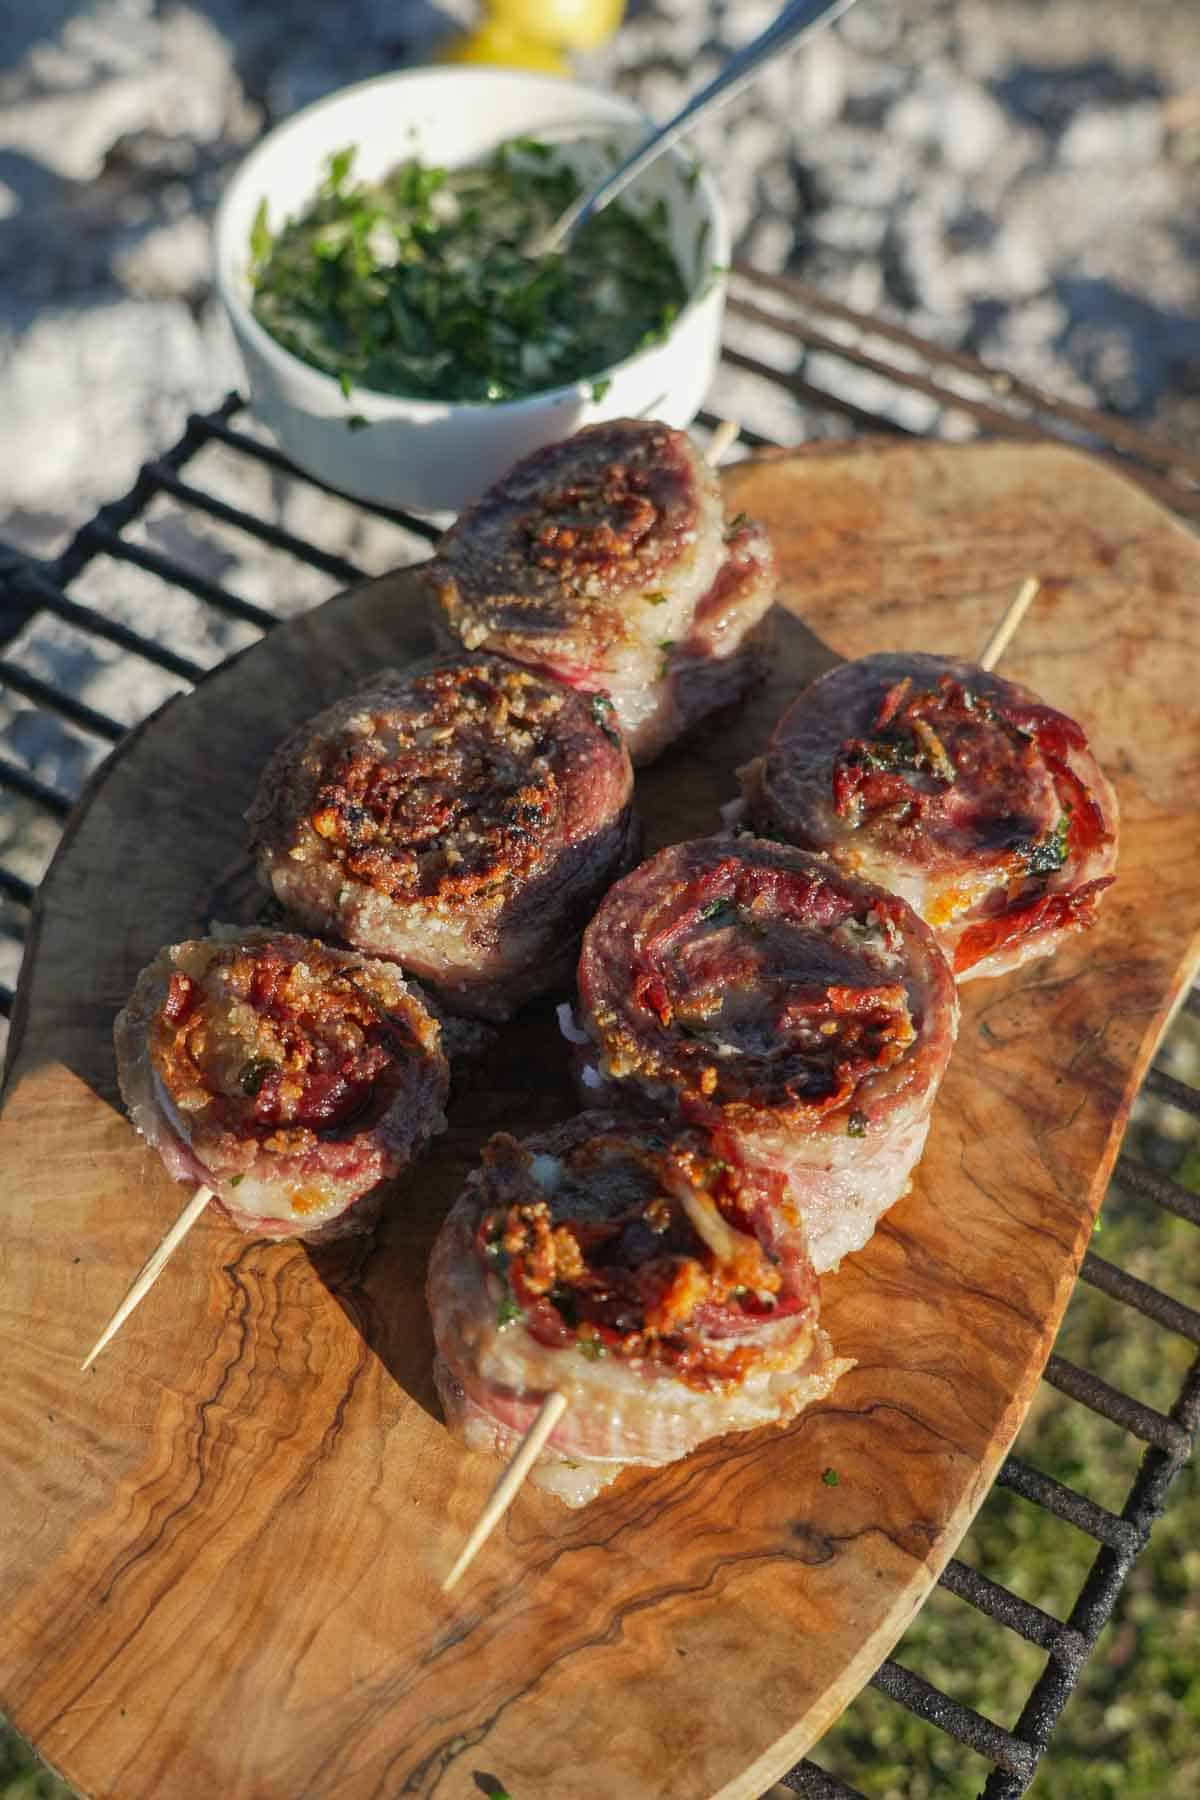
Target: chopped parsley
point(260, 236)
point(830, 1477)
point(666, 646)
point(591, 1347)
point(254, 1073)
point(717, 909)
point(417, 283)
point(602, 713)
point(236, 1180)
point(1047, 854)
point(507, 1313)
point(655, 599)
point(856, 1124)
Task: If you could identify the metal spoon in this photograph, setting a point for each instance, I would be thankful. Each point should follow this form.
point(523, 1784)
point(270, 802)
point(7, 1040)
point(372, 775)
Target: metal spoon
point(793, 22)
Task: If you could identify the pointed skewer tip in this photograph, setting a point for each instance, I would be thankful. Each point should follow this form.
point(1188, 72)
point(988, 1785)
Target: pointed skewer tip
point(1006, 630)
point(724, 437)
point(505, 1491)
point(149, 1272)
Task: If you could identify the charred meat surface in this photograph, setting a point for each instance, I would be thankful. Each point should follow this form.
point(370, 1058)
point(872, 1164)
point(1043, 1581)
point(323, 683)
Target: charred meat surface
point(463, 817)
point(801, 1016)
point(605, 560)
point(985, 809)
point(290, 1078)
point(659, 1288)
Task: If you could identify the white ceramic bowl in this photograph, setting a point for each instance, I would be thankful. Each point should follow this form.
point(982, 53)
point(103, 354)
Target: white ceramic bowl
point(427, 455)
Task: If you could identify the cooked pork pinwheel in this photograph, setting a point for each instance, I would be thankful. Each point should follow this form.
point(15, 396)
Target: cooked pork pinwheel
point(605, 560)
point(656, 1286)
point(289, 1078)
point(462, 817)
point(958, 790)
point(800, 1015)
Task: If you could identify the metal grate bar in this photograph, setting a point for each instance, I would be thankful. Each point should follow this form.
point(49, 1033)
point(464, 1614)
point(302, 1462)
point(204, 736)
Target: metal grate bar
point(1107, 427)
point(119, 513)
point(1091, 1391)
point(1030, 1622)
point(1076, 1509)
point(1105, 1580)
point(21, 782)
point(1149, 1185)
point(815, 1783)
point(1171, 1314)
point(114, 545)
point(980, 410)
point(801, 389)
point(88, 620)
point(224, 433)
point(962, 1722)
point(14, 888)
point(275, 535)
point(34, 688)
point(1175, 1093)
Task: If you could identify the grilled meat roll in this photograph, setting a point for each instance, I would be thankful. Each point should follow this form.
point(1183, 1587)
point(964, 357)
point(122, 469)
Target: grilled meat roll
point(289, 1078)
point(605, 560)
point(958, 790)
point(801, 1016)
point(462, 817)
point(663, 1291)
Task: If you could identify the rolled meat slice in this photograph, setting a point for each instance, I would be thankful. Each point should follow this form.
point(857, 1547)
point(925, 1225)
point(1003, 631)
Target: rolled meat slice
point(664, 1292)
point(605, 560)
point(291, 1079)
point(958, 790)
point(462, 817)
point(727, 647)
point(802, 1016)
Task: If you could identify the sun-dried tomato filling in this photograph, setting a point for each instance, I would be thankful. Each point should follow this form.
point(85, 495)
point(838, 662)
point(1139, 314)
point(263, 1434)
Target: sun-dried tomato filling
point(764, 983)
point(635, 1251)
point(278, 1043)
point(961, 770)
point(455, 794)
point(1033, 916)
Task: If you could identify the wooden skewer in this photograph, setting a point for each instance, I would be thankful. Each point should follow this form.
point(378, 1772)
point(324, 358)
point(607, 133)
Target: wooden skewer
point(724, 437)
point(1005, 631)
point(505, 1491)
point(150, 1271)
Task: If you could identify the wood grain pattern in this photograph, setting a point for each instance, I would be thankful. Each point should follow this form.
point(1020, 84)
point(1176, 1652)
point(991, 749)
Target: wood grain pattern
point(220, 1552)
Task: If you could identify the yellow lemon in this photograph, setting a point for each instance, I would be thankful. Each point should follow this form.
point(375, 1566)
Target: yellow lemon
point(575, 24)
point(496, 42)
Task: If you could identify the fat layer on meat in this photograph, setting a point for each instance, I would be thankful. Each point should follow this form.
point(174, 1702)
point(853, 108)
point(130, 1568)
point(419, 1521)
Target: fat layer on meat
point(605, 560)
point(462, 817)
point(726, 649)
point(982, 807)
point(291, 1079)
point(628, 1269)
point(802, 1016)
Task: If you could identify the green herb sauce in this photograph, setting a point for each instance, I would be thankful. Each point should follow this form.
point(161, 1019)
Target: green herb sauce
point(417, 284)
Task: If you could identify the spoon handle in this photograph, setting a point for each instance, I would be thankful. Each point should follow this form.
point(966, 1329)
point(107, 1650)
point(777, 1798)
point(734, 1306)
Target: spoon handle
point(794, 20)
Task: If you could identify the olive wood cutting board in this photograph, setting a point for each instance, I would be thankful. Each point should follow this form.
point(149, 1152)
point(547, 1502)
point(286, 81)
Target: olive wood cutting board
point(220, 1551)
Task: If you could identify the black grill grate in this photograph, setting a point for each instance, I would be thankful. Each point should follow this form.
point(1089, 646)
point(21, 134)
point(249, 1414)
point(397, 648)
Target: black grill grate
point(959, 388)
